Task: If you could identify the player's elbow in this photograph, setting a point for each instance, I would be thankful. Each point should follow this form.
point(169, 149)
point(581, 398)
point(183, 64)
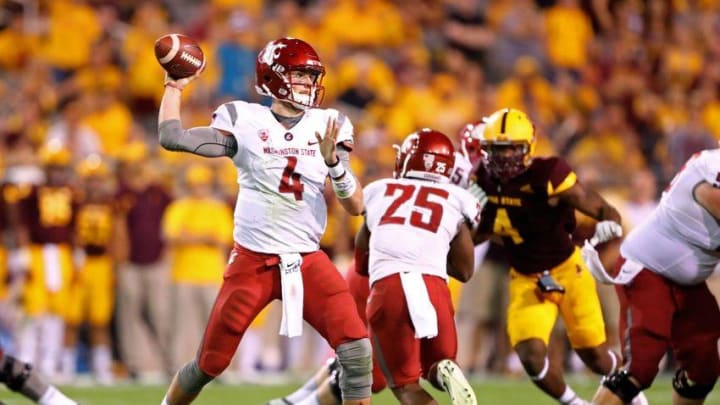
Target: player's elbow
point(461, 272)
point(355, 208)
point(169, 132)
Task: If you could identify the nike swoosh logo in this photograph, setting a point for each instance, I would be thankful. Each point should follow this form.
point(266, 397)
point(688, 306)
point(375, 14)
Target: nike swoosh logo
point(311, 143)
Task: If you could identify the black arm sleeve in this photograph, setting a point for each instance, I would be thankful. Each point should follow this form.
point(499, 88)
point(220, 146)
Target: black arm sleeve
point(203, 141)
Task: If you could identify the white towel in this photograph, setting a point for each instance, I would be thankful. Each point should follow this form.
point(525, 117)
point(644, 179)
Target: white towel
point(627, 273)
point(292, 294)
point(52, 267)
point(422, 311)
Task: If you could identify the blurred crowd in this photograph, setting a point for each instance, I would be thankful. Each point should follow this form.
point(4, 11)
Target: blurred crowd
point(625, 90)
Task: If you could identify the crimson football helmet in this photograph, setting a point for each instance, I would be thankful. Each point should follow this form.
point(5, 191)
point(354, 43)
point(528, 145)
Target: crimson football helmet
point(470, 136)
point(426, 154)
point(273, 69)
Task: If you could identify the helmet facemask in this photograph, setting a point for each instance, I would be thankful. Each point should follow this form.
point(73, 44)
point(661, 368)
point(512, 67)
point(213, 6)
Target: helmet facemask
point(314, 93)
point(506, 160)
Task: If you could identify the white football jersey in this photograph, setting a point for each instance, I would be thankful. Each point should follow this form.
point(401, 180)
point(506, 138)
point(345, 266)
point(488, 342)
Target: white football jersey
point(280, 206)
point(680, 240)
point(462, 171)
point(412, 223)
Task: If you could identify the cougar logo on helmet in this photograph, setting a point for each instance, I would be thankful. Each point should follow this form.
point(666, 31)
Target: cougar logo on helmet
point(271, 52)
point(427, 155)
point(508, 143)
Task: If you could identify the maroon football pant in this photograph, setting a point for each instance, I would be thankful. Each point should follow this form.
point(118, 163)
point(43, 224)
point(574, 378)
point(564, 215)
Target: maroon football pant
point(657, 314)
point(360, 290)
point(252, 281)
point(401, 357)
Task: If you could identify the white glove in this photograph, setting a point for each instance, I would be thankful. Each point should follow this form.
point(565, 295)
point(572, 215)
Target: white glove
point(627, 273)
point(478, 193)
point(606, 230)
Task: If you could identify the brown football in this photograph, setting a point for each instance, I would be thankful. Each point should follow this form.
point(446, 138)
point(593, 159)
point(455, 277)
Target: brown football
point(179, 55)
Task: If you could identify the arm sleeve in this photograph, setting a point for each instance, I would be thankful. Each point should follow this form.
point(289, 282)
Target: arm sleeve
point(203, 141)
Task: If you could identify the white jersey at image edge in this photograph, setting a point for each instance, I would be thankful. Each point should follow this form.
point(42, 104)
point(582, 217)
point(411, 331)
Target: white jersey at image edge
point(412, 223)
point(281, 172)
point(680, 238)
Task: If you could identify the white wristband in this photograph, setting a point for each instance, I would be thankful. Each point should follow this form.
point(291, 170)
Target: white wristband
point(345, 186)
point(336, 171)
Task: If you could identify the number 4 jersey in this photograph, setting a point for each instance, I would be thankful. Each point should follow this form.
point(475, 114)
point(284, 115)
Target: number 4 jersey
point(412, 223)
point(680, 239)
point(281, 173)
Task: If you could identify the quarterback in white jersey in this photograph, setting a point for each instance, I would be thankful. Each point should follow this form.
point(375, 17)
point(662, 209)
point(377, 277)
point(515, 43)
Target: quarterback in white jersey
point(417, 231)
point(665, 302)
point(283, 155)
point(280, 206)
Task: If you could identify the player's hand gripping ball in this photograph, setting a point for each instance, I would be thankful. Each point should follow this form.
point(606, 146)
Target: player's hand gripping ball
point(179, 55)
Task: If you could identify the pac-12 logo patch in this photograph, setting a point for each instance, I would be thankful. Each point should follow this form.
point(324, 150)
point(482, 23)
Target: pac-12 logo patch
point(288, 136)
point(263, 134)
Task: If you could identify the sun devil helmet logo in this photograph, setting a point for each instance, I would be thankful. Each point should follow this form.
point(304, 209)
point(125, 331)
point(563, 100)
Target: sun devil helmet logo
point(428, 160)
point(271, 52)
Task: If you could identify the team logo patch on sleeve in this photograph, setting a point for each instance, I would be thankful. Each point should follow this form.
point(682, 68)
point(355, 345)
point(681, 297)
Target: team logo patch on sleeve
point(263, 134)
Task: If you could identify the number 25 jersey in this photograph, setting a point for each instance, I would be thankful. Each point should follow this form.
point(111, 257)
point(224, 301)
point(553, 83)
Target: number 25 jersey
point(280, 206)
point(412, 223)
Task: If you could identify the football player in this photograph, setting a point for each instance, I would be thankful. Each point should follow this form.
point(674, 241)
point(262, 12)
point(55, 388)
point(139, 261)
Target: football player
point(482, 298)
point(531, 211)
point(23, 378)
point(664, 299)
point(284, 154)
point(42, 219)
point(92, 289)
point(416, 337)
point(322, 388)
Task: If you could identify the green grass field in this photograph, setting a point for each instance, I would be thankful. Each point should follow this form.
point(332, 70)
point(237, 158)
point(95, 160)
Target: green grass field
point(492, 392)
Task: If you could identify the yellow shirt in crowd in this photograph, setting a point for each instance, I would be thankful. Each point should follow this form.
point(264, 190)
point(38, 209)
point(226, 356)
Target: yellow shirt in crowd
point(198, 264)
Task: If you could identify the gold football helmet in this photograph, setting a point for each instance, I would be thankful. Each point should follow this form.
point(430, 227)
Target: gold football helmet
point(508, 141)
